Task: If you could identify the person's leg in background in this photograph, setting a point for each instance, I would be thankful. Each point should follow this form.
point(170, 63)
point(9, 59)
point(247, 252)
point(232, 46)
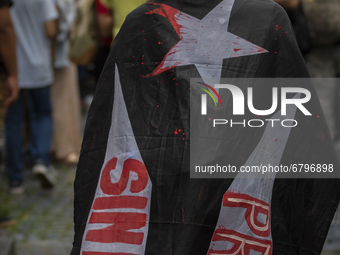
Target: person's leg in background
point(41, 134)
point(66, 115)
point(14, 160)
point(5, 210)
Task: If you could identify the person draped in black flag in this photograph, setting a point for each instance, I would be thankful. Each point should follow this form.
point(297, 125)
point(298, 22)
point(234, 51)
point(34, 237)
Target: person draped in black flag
point(133, 191)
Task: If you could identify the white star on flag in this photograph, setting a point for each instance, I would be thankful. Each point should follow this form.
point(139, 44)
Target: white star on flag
point(204, 43)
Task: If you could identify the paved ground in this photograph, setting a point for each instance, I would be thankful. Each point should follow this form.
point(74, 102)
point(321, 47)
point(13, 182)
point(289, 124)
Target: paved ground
point(44, 218)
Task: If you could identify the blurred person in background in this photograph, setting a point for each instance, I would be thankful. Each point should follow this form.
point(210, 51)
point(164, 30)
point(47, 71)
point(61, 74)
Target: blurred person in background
point(324, 60)
point(288, 4)
point(323, 51)
point(8, 77)
point(35, 23)
point(110, 15)
point(8, 61)
point(64, 92)
point(105, 25)
point(301, 27)
point(120, 9)
point(89, 72)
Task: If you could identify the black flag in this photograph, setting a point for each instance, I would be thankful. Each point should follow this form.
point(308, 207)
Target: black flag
point(133, 191)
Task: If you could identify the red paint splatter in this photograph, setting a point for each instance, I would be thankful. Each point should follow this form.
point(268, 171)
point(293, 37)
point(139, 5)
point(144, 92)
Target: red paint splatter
point(168, 13)
point(236, 49)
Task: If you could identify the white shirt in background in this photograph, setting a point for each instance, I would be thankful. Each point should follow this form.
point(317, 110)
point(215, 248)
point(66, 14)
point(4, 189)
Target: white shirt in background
point(33, 46)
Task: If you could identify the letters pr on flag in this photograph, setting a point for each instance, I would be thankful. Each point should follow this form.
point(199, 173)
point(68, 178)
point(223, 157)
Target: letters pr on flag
point(133, 191)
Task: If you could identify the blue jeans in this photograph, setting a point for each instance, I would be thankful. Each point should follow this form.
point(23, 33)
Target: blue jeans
point(41, 131)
